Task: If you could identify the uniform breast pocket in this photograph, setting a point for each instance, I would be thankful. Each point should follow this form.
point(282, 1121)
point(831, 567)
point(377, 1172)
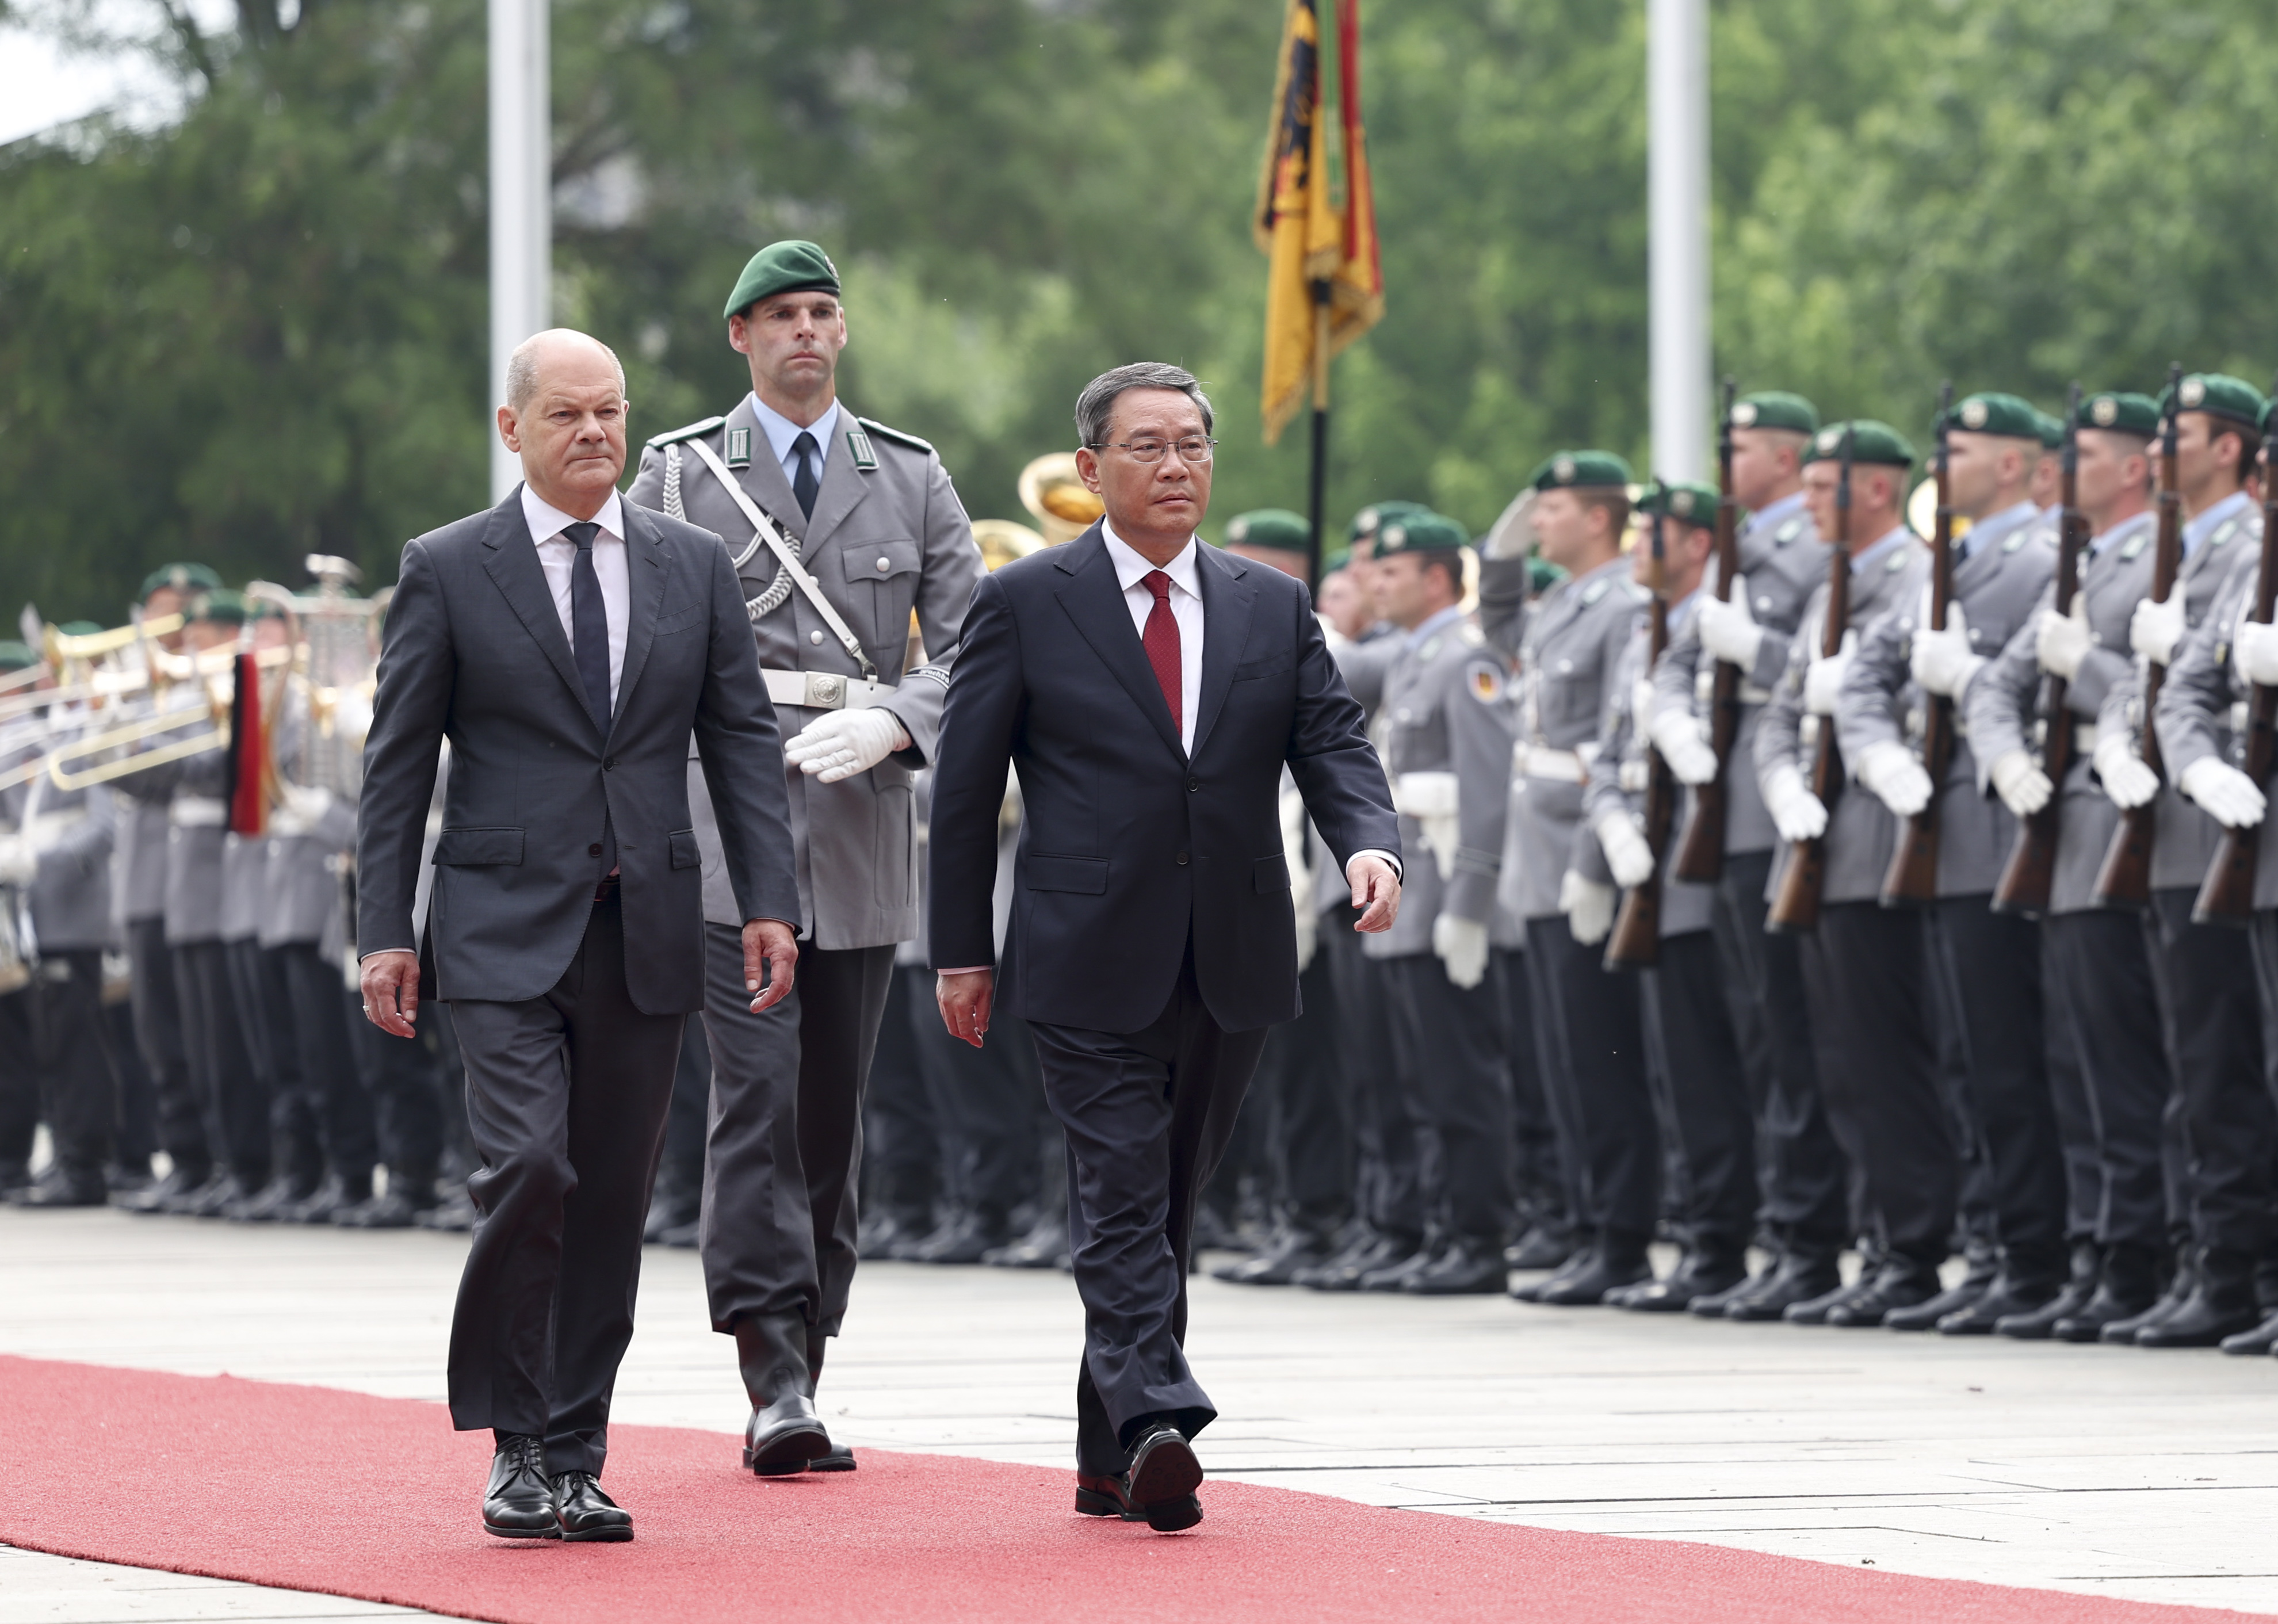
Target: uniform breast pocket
point(891, 569)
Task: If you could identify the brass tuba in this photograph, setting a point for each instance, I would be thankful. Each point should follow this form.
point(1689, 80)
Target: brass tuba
point(1050, 490)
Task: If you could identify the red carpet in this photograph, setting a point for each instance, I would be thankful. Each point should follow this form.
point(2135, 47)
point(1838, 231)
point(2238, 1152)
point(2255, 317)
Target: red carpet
point(315, 1489)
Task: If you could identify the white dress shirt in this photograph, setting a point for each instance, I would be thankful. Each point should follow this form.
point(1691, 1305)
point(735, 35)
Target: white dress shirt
point(557, 554)
point(782, 433)
point(1185, 570)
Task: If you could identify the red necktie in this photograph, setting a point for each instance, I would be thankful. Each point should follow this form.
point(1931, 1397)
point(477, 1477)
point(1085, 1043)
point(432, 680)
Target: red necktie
point(1161, 639)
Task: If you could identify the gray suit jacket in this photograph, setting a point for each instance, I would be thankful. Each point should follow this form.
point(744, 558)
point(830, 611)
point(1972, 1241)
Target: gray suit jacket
point(475, 652)
point(884, 541)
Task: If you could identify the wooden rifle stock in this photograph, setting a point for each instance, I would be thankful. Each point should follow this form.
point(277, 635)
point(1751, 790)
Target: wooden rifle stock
point(1912, 878)
point(1700, 854)
point(2125, 879)
point(1795, 906)
point(1636, 941)
point(2227, 895)
point(2030, 873)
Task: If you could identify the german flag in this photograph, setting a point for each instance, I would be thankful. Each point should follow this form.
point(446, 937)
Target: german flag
point(1324, 283)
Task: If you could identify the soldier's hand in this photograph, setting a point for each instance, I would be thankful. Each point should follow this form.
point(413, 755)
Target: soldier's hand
point(1797, 813)
point(771, 943)
point(2257, 653)
point(838, 744)
point(390, 982)
point(2063, 640)
point(1677, 735)
point(1375, 892)
point(2023, 787)
point(1943, 662)
point(1589, 906)
point(1888, 769)
point(2155, 629)
point(1628, 854)
point(1728, 629)
point(2129, 781)
point(964, 999)
point(2225, 794)
point(1461, 946)
point(1822, 680)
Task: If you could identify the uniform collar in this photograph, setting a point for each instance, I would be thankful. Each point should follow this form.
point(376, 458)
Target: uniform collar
point(1861, 562)
point(1778, 513)
point(2234, 506)
point(781, 431)
point(1434, 626)
point(1995, 527)
point(1185, 570)
point(2133, 523)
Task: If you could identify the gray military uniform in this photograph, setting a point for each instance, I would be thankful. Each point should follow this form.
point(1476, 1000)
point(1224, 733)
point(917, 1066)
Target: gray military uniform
point(1618, 777)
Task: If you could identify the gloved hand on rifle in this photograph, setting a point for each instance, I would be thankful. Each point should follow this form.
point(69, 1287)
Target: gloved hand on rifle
point(1943, 662)
point(2155, 630)
point(1462, 946)
point(1888, 769)
point(2128, 782)
point(2257, 653)
point(1797, 813)
point(1822, 678)
point(2225, 794)
point(1728, 631)
point(2063, 640)
point(1588, 906)
point(1624, 842)
point(1676, 734)
point(2018, 779)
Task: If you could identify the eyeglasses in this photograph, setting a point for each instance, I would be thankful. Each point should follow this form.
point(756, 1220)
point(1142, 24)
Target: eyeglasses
point(1193, 448)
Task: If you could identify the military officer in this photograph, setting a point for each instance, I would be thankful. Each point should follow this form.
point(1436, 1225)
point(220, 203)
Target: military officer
point(840, 527)
point(1989, 962)
point(1801, 1173)
point(2100, 999)
point(23, 738)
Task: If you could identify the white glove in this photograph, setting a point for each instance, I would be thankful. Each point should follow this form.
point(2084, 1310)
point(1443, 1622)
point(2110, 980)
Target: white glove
point(1943, 662)
point(2128, 781)
point(1588, 907)
point(18, 866)
point(1797, 813)
point(2154, 629)
point(1889, 769)
point(2256, 651)
point(2225, 794)
point(2018, 779)
point(1430, 798)
point(1462, 945)
point(1728, 631)
point(1627, 854)
point(838, 744)
point(2063, 640)
point(1677, 735)
point(1822, 678)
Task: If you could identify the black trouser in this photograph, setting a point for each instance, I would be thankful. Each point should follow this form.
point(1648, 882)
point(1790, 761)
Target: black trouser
point(1867, 973)
point(1385, 1189)
point(2083, 1173)
point(180, 1112)
point(901, 1148)
point(783, 1150)
point(322, 1013)
point(295, 1108)
point(683, 1165)
point(1975, 1223)
point(1540, 1180)
point(566, 1096)
point(74, 1056)
point(985, 1103)
point(136, 1127)
point(1449, 1042)
point(1695, 1063)
point(1801, 1171)
point(19, 1073)
point(1593, 1071)
point(265, 1026)
point(2229, 1131)
point(2103, 962)
point(401, 1118)
point(1148, 1115)
point(235, 1105)
point(1992, 965)
point(1309, 1140)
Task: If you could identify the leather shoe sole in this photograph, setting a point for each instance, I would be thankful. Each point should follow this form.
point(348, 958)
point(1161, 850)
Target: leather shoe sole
point(507, 1531)
point(1163, 1479)
point(1105, 1497)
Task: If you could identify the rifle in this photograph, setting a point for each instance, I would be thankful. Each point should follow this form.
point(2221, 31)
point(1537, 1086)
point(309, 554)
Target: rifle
point(1636, 941)
point(1912, 877)
point(1701, 855)
point(1796, 906)
point(2125, 879)
point(2227, 895)
point(2026, 878)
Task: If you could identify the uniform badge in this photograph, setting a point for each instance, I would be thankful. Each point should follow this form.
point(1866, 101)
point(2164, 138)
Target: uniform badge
point(1562, 471)
point(1591, 594)
point(1744, 414)
point(739, 448)
point(1681, 504)
point(2015, 539)
point(1787, 532)
point(1431, 648)
point(1829, 438)
point(2132, 547)
point(2105, 412)
point(1973, 414)
point(1484, 680)
point(859, 443)
point(2223, 534)
point(1898, 561)
point(2192, 393)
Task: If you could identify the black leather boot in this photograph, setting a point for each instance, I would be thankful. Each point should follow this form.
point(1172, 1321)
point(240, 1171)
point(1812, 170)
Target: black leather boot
point(1709, 1270)
point(784, 1432)
point(1544, 1246)
point(1618, 1259)
point(2040, 1324)
point(1901, 1284)
point(2262, 1339)
point(2126, 1285)
point(1801, 1275)
point(2028, 1282)
point(1293, 1247)
point(2221, 1304)
point(2122, 1332)
point(1370, 1251)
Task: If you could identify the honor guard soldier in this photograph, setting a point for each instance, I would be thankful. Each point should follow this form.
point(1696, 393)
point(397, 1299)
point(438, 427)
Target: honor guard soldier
point(1803, 1177)
point(1989, 960)
point(840, 527)
point(2100, 987)
point(1586, 1017)
point(1692, 1058)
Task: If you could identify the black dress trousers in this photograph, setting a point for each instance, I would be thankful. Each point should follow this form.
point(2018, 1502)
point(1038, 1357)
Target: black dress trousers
point(1309, 1143)
point(1148, 1116)
point(1385, 1188)
point(1688, 1036)
point(180, 1114)
point(232, 1093)
point(1451, 1044)
point(566, 1099)
point(322, 1010)
point(901, 1150)
point(2102, 961)
point(74, 1051)
point(2229, 1131)
point(1538, 1177)
point(19, 1075)
point(1593, 1068)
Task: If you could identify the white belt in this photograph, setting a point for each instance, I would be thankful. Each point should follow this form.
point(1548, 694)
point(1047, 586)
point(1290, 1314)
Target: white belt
point(1636, 776)
point(1564, 766)
point(2084, 738)
point(825, 690)
point(198, 812)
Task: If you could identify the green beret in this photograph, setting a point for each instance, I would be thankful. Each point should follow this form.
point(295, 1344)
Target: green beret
point(1275, 527)
point(781, 267)
point(15, 656)
point(1776, 409)
point(2219, 394)
point(1591, 469)
point(1374, 517)
point(220, 606)
point(183, 578)
point(1995, 413)
point(2121, 412)
point(1870, 442)
point(1421, 531)
point(2052, 432)
point(1686, 500)
point(1542, 575)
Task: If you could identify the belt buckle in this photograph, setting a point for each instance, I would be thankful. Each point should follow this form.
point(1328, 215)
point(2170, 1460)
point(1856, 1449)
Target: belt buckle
point(825, 692)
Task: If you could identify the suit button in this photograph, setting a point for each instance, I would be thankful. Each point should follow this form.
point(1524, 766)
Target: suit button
point(1193, 784)
point(815, 637)
point(1180, 859)
point(610, 765)
point(593, 850)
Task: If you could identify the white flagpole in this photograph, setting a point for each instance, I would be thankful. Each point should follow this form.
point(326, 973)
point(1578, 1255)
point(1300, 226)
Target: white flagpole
point(1677, 211)
point(521, 203)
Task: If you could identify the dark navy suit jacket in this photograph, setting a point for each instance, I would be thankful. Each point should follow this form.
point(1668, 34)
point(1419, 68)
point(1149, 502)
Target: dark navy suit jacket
point(1130, 845)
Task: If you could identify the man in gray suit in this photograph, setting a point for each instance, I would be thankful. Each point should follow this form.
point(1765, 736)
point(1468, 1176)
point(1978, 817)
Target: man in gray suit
point(866, 530)
point(568, 644)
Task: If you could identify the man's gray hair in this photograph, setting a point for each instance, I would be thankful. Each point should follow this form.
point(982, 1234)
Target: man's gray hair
point(1097, 403)
point(521, 366)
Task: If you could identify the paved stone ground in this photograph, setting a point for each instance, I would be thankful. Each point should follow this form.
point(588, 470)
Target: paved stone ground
point(2095, 1470)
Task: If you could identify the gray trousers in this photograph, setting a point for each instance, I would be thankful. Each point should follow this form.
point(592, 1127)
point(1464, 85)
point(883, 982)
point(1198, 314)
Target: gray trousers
point(782, 1153)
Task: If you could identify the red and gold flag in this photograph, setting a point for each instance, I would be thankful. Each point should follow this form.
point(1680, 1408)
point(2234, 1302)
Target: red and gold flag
point(1311, 237)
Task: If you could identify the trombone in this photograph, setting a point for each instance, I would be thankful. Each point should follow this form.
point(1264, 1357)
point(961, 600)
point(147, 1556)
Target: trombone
point(210, 667)
point(84, 654)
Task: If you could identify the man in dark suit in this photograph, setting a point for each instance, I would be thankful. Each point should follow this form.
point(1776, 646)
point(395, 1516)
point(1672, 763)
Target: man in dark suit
point(566, 643)
point(1148, 690)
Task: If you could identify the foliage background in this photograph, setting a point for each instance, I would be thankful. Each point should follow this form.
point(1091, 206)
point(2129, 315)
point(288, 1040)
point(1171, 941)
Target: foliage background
point(257, 329)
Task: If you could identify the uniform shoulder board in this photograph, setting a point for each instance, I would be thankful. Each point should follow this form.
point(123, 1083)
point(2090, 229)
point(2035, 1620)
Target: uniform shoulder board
point(1484, 679)
point(2224, 533)
point(1595, 591)
point(1899, 561)
point(895, 435)
point(694, 431)
point(1787, 532)
point(2015, 539)
point(2132, 547)
point(1430, 651)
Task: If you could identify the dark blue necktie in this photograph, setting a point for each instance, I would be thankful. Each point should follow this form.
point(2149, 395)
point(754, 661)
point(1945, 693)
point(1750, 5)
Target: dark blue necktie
point(589, 639)
point(803, 482)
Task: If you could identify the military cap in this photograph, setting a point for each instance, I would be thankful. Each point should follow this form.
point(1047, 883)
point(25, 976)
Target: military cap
point(183, 578)
point(1686, 500)
point(1589, 469)
point(15, 656)
point(2052, 432)
point(789, 266)
point(2218, 394)
point(2121, 412)
point(1421, 531)
point(1992, 412)
point(1870, 442)
point(1275, 528)
point(1776, 409)
point(1374, 517)
point(220, 605)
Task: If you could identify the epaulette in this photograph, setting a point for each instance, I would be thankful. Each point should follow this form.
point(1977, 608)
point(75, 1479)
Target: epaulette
point(694, 431)
point(894, 434)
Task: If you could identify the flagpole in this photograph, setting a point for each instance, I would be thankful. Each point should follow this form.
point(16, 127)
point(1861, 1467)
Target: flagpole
point(521, 199)
point(1676, 252)
point(1319, 484)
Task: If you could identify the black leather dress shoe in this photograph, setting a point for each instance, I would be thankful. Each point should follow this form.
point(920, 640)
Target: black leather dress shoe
point(60, 1186)
point(1699, 1273)
point(1899, 1286)
point(519, 1502)
point(2010, 1297)
point(2040, 1324)
point(154, 1198)
point(1391, 1275)
point(1163, 1478)
point(1616, 1261)
point(1290, 1249)
point(1105, 1497)
point(1371, 1252)
point(1543, 1247)
point(1468, 1268)
point(586, 1513)
point(1044, 1246)
point(455, 1217)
